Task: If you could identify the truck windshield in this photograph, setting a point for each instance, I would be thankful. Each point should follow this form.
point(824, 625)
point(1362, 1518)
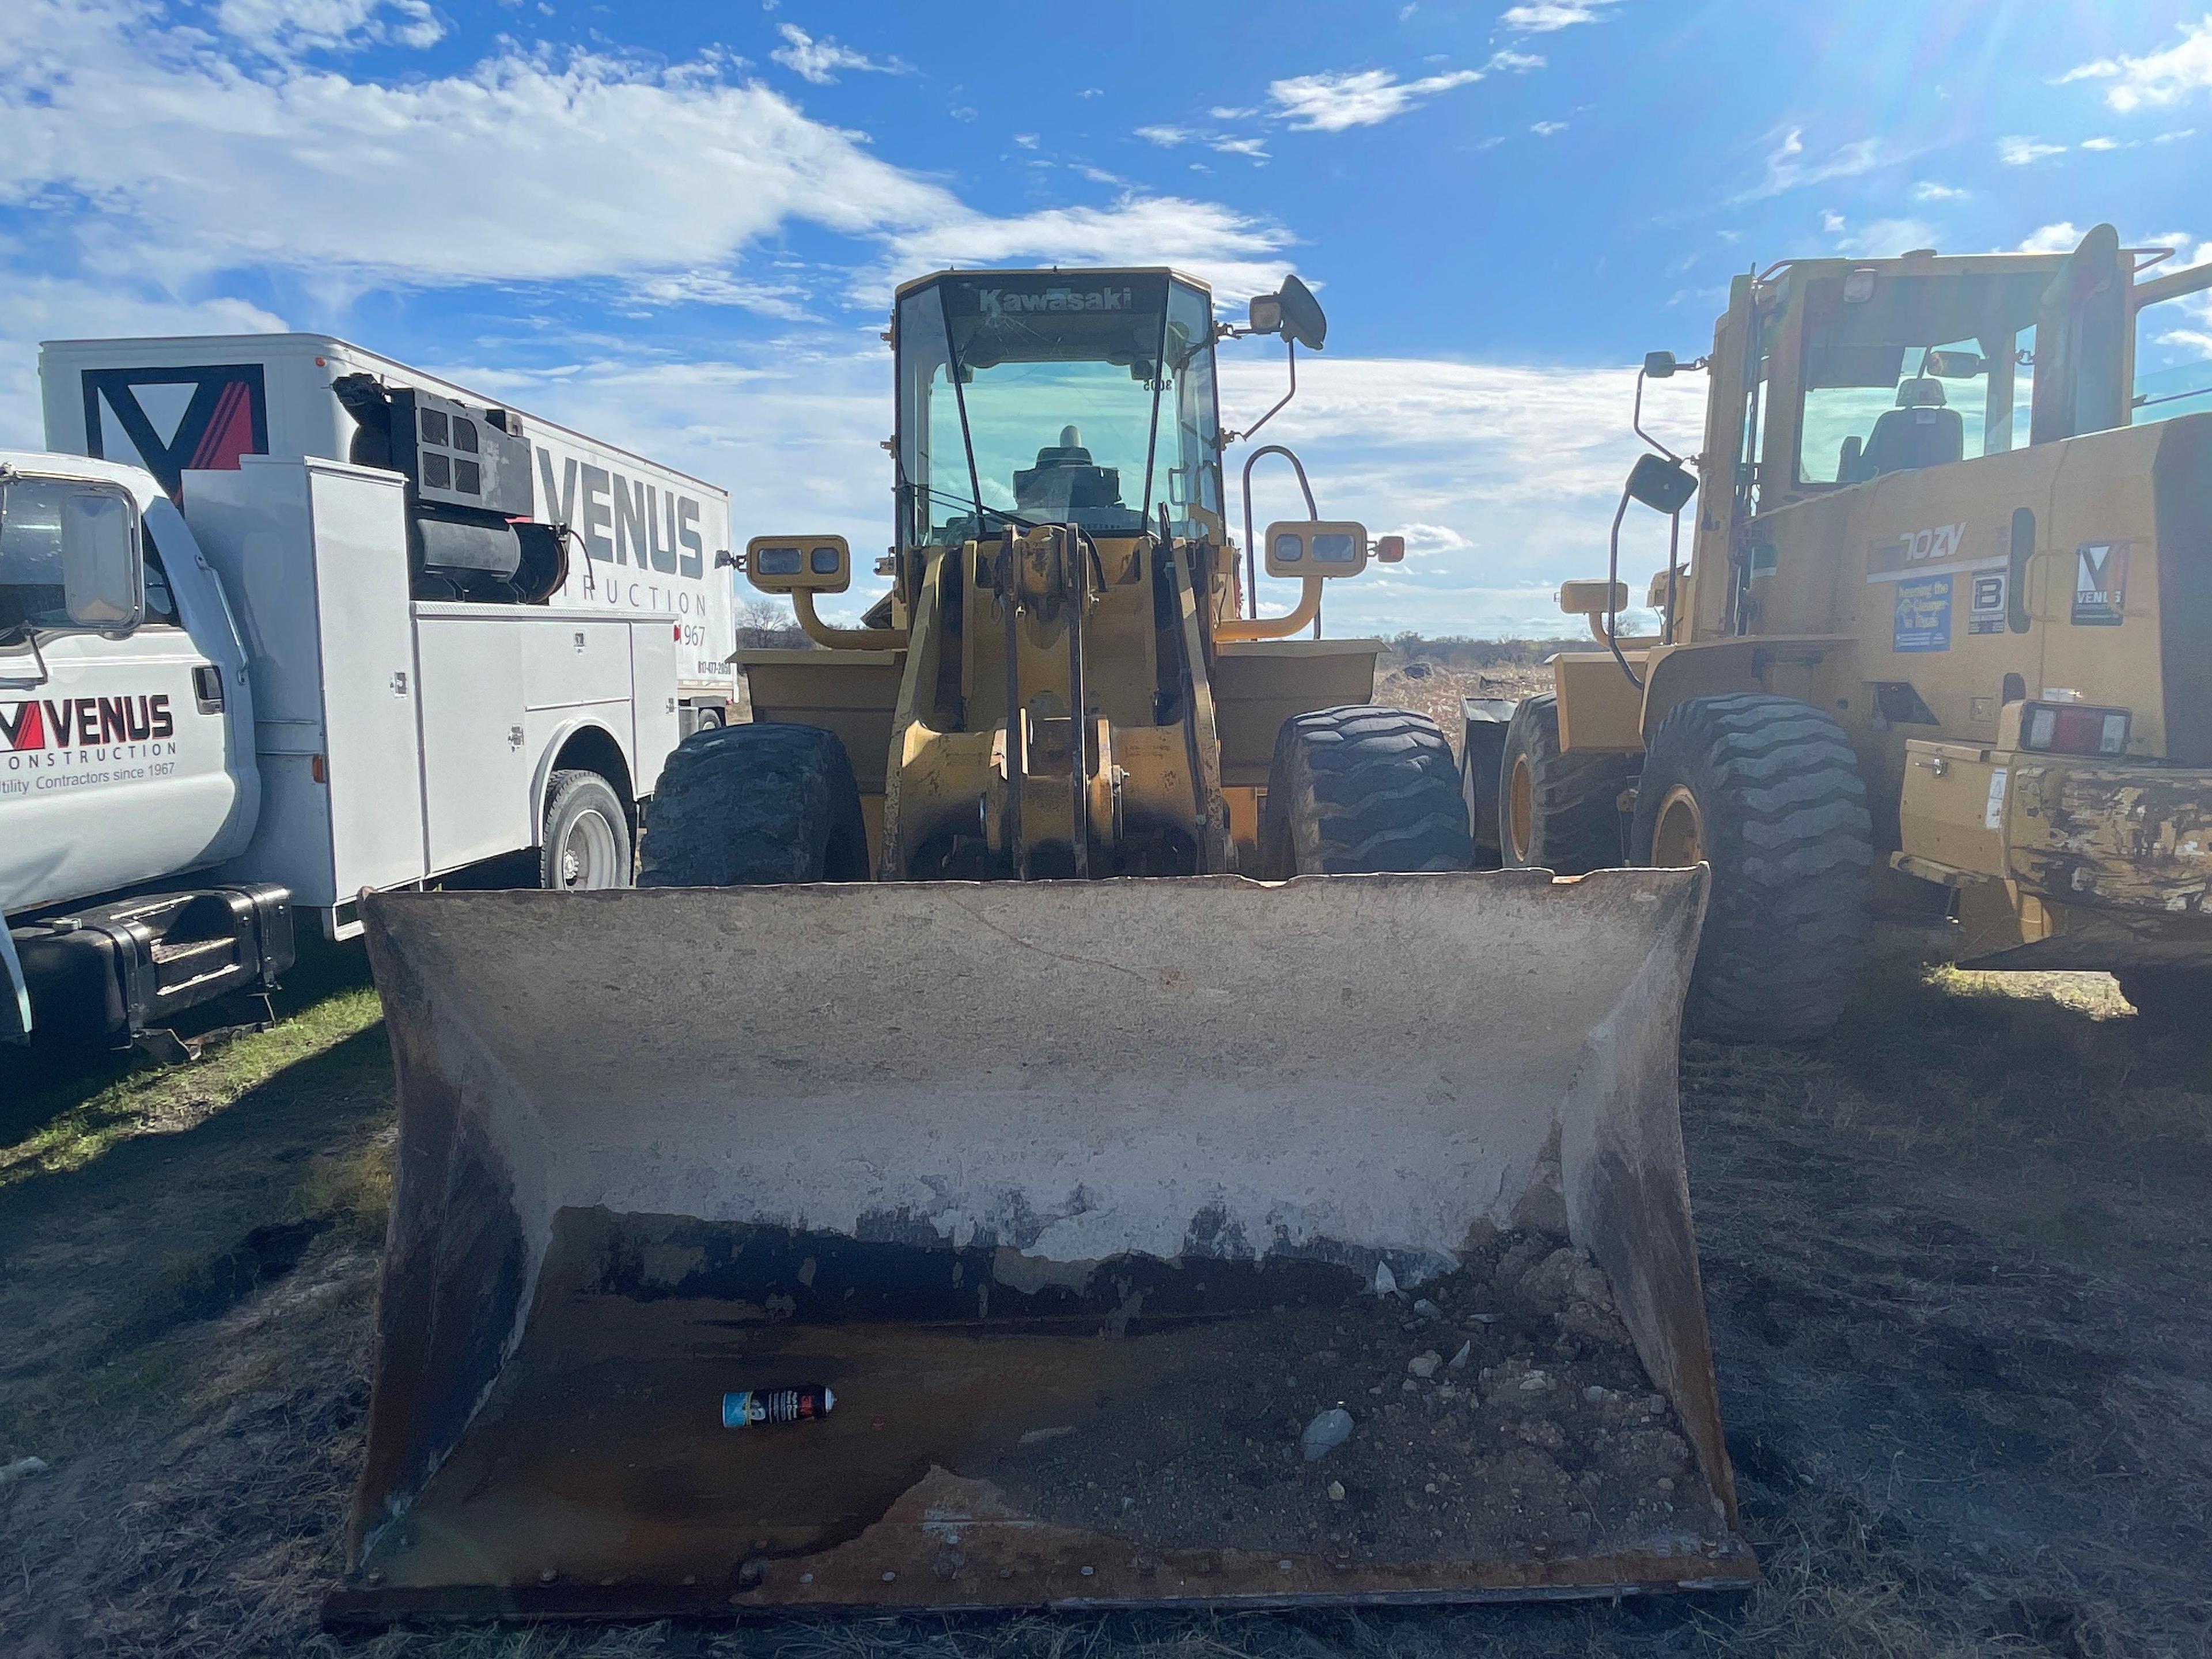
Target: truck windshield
point(32, 593)
point(1054, 398)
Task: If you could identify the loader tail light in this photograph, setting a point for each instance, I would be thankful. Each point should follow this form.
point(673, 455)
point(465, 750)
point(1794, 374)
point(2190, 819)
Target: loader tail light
point(2072, 729)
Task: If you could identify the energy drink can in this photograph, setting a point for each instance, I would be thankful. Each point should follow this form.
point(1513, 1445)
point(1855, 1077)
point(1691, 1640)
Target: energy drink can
point(747, 1407)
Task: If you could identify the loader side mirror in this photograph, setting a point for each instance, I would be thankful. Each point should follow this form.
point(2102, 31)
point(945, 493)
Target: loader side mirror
point(1292, 313)
point(1390, 549)
point(1659, 365)
point(1303, 319)
point(101, 585)
point(1316, 547)
point(1662, 484)
point(788, 564)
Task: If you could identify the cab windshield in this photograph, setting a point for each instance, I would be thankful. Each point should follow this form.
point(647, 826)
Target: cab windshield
point(1055, 399)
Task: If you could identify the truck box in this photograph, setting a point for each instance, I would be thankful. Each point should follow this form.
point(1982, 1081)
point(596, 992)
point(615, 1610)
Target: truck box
point(399, 739)
point(652, 541)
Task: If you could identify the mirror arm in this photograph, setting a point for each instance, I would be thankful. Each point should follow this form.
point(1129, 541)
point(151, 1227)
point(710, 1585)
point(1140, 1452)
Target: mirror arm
point(1251, 547)
point(1228, 438)
point(1613, 581)
point(38, 661)
point(842, 639)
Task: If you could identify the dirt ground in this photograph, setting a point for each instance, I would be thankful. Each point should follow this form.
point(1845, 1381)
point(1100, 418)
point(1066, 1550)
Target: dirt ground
point(1957, 1258)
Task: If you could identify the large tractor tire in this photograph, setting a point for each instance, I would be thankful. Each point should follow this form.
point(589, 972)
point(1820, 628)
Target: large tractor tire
point(1360, 790)
point(1556, 811)
point(756, 805)
point(1766, 791)
point(584, 845)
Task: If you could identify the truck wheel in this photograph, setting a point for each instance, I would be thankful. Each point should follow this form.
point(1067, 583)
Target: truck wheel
point(1766, 791)
point(585, 845)
point(1556, 811)
point(2170, 998)
point(756, 805)
point(1360, 790)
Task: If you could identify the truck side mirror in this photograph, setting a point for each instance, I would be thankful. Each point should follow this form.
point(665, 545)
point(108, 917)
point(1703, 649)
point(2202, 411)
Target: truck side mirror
point(1316, 547)
point(1659, 365)
point(102, 587)
point(789, 564)
point(1390, 549)
point(1661, 483)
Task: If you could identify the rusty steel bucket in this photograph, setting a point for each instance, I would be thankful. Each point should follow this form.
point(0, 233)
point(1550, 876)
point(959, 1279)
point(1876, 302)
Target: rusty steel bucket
point(1000, 1165)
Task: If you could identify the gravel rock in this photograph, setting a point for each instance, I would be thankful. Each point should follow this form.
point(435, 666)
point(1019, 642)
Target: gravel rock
point(1329, 1431)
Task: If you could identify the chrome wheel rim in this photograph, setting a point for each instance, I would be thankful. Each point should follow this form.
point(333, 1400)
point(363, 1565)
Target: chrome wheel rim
point(588, 852)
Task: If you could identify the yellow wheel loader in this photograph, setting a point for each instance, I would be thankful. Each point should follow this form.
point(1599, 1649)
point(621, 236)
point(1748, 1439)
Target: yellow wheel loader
point(1058, 1123)
point(1939, 649)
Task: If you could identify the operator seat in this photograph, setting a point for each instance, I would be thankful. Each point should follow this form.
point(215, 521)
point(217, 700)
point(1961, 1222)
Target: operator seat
point(1064, 480)
point(1919, 432)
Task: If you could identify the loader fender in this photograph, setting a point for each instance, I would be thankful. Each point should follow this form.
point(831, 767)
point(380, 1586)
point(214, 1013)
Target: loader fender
point(934, 1147)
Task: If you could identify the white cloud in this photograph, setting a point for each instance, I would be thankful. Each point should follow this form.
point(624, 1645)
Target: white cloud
point(1026, 140)
point(2061, 238)
point(1883, 238)
point(2100, 145)
point(656, 179)
point(1332, 102)
point(42, 307)
point(1239, 255)
point(2175, 137)
point(819, 61)
point(1787, 169)
point(284, 28)
point(1542, 17)
point(1514, 62)
point(2017, 152)
point(1929, 190)
point(1546, 129)
point(1170, 138)
point(2157, 78)
point(1227, 112)
point(1502, 477)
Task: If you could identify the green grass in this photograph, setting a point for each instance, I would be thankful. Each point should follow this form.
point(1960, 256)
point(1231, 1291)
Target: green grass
point(72, 1116)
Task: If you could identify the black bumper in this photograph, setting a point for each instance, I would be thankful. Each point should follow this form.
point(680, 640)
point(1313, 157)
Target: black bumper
point(111, 971)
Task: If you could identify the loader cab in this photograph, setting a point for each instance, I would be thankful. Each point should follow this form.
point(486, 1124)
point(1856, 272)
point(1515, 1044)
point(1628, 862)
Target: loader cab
point(1049, 396)
point(1831, 373)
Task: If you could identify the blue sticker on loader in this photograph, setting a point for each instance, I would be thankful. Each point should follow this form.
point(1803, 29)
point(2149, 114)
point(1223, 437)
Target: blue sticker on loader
point(1923, 615)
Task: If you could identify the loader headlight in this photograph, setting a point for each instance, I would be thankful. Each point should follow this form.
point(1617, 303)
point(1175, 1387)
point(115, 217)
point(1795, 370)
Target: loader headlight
point(1316, 547)
point(786, 564)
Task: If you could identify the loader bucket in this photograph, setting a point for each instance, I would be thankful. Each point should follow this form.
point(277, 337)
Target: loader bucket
point(1070, 1202)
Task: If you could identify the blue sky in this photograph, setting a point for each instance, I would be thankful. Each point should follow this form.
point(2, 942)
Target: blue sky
point(678, 226)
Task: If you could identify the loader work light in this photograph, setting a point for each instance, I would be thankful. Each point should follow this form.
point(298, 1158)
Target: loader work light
point(786, 564)
point(1316, 547)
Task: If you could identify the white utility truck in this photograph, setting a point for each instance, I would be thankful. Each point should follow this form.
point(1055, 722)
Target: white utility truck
point(645, 537)
point(228, 693)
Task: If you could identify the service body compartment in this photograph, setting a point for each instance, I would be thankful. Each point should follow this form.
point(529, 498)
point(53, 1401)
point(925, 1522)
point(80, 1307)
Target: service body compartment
point(314, 557)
